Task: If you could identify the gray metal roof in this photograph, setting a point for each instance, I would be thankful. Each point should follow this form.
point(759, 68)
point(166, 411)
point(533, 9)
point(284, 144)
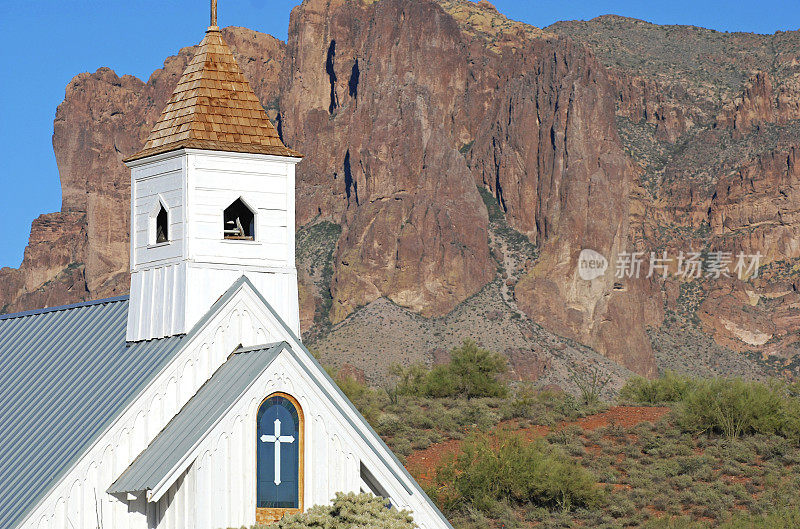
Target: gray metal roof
point(364, 429)
point(196, 418)
point(65, 374)
point(78, 343)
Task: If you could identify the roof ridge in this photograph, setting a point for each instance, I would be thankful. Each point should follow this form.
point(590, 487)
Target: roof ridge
point(45, 310)
point(260, 347)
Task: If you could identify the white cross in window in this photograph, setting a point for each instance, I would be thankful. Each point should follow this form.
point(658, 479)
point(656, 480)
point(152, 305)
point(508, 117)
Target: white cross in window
point(277, 439)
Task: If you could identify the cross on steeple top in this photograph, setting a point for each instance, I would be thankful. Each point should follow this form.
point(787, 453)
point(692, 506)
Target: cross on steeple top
point(213, 13)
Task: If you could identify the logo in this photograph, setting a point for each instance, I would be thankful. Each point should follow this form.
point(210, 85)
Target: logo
point(591, 264)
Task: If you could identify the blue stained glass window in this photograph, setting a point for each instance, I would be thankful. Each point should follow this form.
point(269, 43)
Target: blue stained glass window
point(278, 454)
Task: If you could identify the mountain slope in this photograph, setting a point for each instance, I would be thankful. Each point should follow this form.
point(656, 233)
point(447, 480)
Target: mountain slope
point(457, 164)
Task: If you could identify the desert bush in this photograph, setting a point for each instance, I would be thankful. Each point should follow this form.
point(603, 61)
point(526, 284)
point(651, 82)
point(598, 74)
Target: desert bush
point(545, 407)
point(730, 407)
point(506, 467)
point(366, 399)
point(349, 511)
point(734, 407)
point(781, 519)
point(472, 372)
point(670, 387)
point(476, 371)
point(669, 522)
point(410, 380)
point(590, 383)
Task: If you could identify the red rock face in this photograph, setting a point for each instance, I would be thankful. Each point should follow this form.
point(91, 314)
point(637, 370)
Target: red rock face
point(369, 101)
point(760, 204)
point(53, 270)
point(382, 122)
point(83, 252)
point(405, 108)
point(382, 115)
point(551, 155)
point(721, 173)
point(761, 103)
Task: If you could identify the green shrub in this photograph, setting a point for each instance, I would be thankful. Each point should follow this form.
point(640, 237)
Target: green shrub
point(472, 372)
point(506, 467)
point(440, 382)
point(350, 511)
point(365, 398)
point(350, 386)
point(670, 387)
point(590, 383)
point(669, 522)
point(782, 519)
point(734, 407)
point(410, 380)
point(730, 407)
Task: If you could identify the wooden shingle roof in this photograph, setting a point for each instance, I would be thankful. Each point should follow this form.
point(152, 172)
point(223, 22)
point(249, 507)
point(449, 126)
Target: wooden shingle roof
point(213, 107)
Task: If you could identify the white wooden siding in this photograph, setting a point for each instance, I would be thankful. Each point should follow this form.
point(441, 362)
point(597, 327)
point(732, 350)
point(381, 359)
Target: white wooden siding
point(161, 181)
point(217, 489)
point(216, 180)
point(173, 284)
point(333, 453)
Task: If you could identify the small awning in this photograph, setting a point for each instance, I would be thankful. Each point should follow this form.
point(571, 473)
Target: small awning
point(174, 444)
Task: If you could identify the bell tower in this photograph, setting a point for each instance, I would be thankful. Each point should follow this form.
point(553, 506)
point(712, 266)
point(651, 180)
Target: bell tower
point(212, 199)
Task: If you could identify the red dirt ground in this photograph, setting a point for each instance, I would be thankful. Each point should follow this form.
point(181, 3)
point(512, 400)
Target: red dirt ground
point(422, 464)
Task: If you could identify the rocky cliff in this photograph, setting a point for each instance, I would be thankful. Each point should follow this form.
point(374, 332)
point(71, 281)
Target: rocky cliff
point(82, 252)
point(712, 120)
point(454, 155)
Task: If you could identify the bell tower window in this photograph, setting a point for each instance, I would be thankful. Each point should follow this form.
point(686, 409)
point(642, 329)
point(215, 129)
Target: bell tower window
point(162, 228)
point(239, 222)
point(158, 229)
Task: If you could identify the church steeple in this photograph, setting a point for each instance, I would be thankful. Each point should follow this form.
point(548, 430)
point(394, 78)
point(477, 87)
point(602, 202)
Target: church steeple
point(212, 197)
point(213, 107)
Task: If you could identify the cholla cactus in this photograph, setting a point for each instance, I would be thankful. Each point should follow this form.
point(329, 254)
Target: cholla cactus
point(350, 511)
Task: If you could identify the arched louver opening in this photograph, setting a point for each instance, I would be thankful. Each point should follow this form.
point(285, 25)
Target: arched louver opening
point(239, 222)
point(162, 226)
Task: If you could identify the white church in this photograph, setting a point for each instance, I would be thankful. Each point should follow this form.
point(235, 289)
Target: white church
point(191, 403)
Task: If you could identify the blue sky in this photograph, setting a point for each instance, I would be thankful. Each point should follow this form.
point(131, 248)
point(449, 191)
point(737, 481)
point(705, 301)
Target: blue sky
point(47, 42)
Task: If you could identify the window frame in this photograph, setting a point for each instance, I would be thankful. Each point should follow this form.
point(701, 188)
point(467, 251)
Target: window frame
point(267, 515)
point(253, 211)
point(152, 224)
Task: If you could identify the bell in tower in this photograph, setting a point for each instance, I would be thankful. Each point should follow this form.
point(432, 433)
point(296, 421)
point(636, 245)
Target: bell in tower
point(212, 199)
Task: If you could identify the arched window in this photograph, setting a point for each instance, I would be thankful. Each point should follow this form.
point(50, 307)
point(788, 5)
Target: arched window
point(239, 222)
point(162, 228)
point(158, 224)
point(279, 454)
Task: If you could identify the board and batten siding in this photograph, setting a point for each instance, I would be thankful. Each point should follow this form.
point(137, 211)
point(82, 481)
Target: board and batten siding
point(174, 283)
point(217, 489)
point(79, 498)
point(265, 184)
point(161, 181)
point(222, 478)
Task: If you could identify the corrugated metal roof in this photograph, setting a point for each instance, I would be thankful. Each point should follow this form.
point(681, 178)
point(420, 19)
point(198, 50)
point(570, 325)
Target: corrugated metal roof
point(65, 374)
point(365, 431)
point(196, 418)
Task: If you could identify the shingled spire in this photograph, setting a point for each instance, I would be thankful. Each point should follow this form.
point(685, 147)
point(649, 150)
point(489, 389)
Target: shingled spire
point(212, 199)
point(214, 107)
